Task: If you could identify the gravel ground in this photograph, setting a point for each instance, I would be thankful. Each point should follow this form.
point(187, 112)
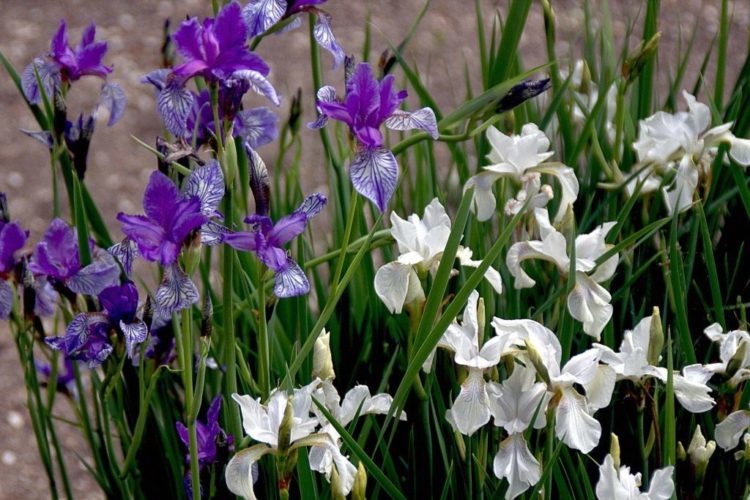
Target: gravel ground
point(119, 169)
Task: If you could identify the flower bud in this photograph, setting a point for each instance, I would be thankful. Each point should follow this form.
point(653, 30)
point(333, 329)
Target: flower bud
point(229, 165)
point(480, 317)
point(614, 450)
point(322, 362)
point(336, 486)
point(638, 58)
point(700, 452)
point(655, 338)
point(295, 112)
point(681, 454)
point(585, 85)
point(285, 429)
point(207, 314)
point(536, 360)
point(359, 489)
point(738, 360)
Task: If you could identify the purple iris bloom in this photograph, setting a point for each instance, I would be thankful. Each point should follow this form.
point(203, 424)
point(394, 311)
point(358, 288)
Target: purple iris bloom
point(86, 339)
point(85, 59)
point(65, 377)
point(261, 15)
point(12, 239)
point(267, 240)
point(169, 220)
point(56, 257)
point(367, 106)
point(121, 304)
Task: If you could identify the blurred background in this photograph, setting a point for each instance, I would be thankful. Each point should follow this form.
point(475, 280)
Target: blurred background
point(444, 47)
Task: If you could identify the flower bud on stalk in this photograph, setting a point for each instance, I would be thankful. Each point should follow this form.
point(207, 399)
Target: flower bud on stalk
point(336, 486)
point(655, 338)
point(207, 314)
point(539, 365)
point(700, 453)
point(614, 450)
point(229, 163)
point(638, 58)
point(359, 489)
point(295, 112)
point(322, 362)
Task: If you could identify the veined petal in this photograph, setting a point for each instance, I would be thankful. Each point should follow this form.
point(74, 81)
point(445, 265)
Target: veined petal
point(470, 410)
point(135, 333)
point(6, 299)
point(589, 304)
point(312, 205)
point(174, 103)
point(259, 15)
point(290, 281)
point(515, 463)
point(392, 285)
point(257, 126)
point(324, 36)
point(574, 426)
point(239, 471)
point(730, 430)
point(92, 279)
point(48, 74)
point(207, 184)
point(176, 291)
point(113, 99)
point(259, 84)
point(374, 173)
point(124, 252)
point(421, 119)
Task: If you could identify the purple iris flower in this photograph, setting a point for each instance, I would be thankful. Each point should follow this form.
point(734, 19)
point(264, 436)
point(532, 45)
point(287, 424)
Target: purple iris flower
point(267, 240)
point(367, 106)
point(86, 339)
point(65, 377)
point(211, 440)
point(261, 15)
point(85, 59)
point(56, 257)
point(12, 239)
point(121, 304)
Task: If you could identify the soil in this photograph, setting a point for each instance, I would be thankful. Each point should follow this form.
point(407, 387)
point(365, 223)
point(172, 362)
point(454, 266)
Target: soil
point(443, 47)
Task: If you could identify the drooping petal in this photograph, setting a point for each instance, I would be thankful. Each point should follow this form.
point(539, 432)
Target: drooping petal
point(135, 334)
point(174, 103)
point(470, 410)
point(421, 119)
point(259, 84)
point(344, 468)
point(574, 426)
point(290, 281)
point(257, 126)
point(256, 421)
point(600, 388)
point(515, 463)
point(553, 248)
point(662, 484)
point(514, 403)
point(48, 74)
point(324, 36)
point(374, 173)
point(176, 291)
point(41, 136)
point(207, 184)
point(483, 202)
point(213, 233)
point(124, 252)
point(113, 99)
point(740, 151)
point(148, 236)
point(568, 185)
point(259, 15)
point(729, 431)
point(326, 94)
point(239, 472)
point(312, 205)
point(679, 197)
point(492, 275)
point(392, 285)
point(92, 279)
point(588, 302)
point(609, 485)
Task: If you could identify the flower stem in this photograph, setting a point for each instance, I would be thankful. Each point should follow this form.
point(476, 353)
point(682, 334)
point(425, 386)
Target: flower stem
point(264, 357)
point(230, 359)
point(642, 443)
point(186, 363)
point(347, 237)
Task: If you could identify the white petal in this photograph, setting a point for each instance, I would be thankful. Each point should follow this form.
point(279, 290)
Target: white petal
point(470, 410)
point(464, 255)
point(483, 202)
point(568, 183)
point(239, 471)
point(515, 463)
point(392, 285)
point(609, 486)
point(514, 402)
point(680, 196)
point(255, 420)
point(662, 484)
point(600, 387)
point(574, 426)
point(552, 249)
point(740, 151)
point(729, 431)
point(589, 304)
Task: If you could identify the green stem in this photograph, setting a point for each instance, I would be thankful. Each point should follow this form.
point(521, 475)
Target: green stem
point(230, 359)
point(642, 444)
point(347, 237)
point(264, 357)
point(185, 340)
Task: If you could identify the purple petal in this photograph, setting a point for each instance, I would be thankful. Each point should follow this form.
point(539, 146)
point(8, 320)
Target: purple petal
point(86, 339)
point(335, 111)
point(324, 94)
point(187, 38)
point(259, 181)
point(59, 43)
point(176, 291)
point(230, 28)
point(207, 184)
point(260, 15)
point(257, 126)
point(6, 299)
point(187, 218)
point(212, 233)
point(390, 99)
point(48, 74)
point(183, 433)
point(88, 36)
point(57, 254)
point(421, 119)
point(291, 281)
point(174, 103)
point(12, 239)
point(41, 136)
point(120, 302)
point(242, 240)
point(89, 61)
point(124, 252)
point(325, 38)
point(135, 333)
point(92, 279)
point(149, 237)
point(362, 92)
point(46, 297)
point(212, 415)
point(113, 100)
point(312, 205)
point(287, 228)
point(259, 84)
point(374, 173)
point(160, 199)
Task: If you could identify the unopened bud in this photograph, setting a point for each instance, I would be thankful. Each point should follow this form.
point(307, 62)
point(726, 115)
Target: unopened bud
point(536, 360)
point(207, 314)
point(480, 317)
point(229, 165)
point(738, 360)
point(359, 490)
point(322, 361)
point(295, 111)
point(655, 338)
point(700, 453)
point(285, 429)
point(336, 486)
point(681, 453)
point(614, 450)
point(585, 84)
point(638, 58)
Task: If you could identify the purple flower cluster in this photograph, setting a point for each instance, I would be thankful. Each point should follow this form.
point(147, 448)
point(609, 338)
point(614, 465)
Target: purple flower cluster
point(367, 106)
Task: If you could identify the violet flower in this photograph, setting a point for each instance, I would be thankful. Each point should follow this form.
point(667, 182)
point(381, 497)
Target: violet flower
point(266, 239)
point(211, 439)
point(12, 239)
point(216, 50)
point(86, 339)
point(261, 15)
point(84, 59)
point(65, 378)
point(368, 105)
point(121, 304)
point(56, 257)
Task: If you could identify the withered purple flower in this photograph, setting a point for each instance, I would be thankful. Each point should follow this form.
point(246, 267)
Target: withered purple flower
point(56, 257)
point(261, 15)
point(367, 106)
